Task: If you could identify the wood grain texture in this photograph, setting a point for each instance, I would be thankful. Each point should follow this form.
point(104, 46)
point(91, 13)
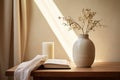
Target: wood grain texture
point(98, 70)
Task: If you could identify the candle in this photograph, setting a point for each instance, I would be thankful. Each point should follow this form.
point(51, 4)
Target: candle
point(48, 49)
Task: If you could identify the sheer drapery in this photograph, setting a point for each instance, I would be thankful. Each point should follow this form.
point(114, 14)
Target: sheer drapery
point(13, 33)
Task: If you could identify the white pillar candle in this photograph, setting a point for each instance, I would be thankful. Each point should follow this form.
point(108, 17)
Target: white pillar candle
point(48, 49)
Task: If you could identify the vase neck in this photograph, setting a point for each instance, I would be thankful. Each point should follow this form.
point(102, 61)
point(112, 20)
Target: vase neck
point(84, 36)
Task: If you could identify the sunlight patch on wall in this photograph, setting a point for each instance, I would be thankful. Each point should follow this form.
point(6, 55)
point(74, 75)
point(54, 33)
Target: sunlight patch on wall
point(51, 13)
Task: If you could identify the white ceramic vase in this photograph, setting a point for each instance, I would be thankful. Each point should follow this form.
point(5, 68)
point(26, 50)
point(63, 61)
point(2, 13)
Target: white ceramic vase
point(83, 51)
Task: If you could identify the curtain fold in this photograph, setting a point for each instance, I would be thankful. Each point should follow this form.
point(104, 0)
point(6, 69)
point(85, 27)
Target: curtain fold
point(5, 37)
point(20, 30)
point(13, 34)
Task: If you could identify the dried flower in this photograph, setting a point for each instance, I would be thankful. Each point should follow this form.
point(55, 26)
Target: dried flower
point(86, 20)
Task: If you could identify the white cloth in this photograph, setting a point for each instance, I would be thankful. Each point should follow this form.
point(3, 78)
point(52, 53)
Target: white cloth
point(24, 69)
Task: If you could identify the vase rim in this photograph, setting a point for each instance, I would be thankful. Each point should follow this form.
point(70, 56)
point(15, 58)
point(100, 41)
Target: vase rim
point(84, 35)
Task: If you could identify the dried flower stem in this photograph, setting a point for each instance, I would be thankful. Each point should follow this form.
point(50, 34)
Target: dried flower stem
point(87, 22)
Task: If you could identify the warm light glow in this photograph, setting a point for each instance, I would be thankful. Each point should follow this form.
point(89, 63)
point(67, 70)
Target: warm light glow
point(51, 14)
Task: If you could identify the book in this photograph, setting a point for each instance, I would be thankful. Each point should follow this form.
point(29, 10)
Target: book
point(56, 64)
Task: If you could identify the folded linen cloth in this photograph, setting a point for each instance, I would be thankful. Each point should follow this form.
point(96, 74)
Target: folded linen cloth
point(24, 69)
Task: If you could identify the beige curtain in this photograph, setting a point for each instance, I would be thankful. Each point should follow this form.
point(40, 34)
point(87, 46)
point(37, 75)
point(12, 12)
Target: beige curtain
point(20, 30)
point(13, 33)
point(6, 55)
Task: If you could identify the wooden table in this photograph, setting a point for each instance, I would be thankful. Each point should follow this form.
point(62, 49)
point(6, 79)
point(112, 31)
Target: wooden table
point(98, 71)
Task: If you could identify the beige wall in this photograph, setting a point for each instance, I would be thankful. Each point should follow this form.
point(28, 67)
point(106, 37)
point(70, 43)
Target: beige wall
point(39, 31)
point(106, 40)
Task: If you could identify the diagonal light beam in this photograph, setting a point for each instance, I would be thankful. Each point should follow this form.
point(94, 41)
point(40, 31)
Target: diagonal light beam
point(51, 14)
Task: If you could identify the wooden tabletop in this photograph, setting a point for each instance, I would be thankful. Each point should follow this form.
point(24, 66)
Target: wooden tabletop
point(98, 69)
